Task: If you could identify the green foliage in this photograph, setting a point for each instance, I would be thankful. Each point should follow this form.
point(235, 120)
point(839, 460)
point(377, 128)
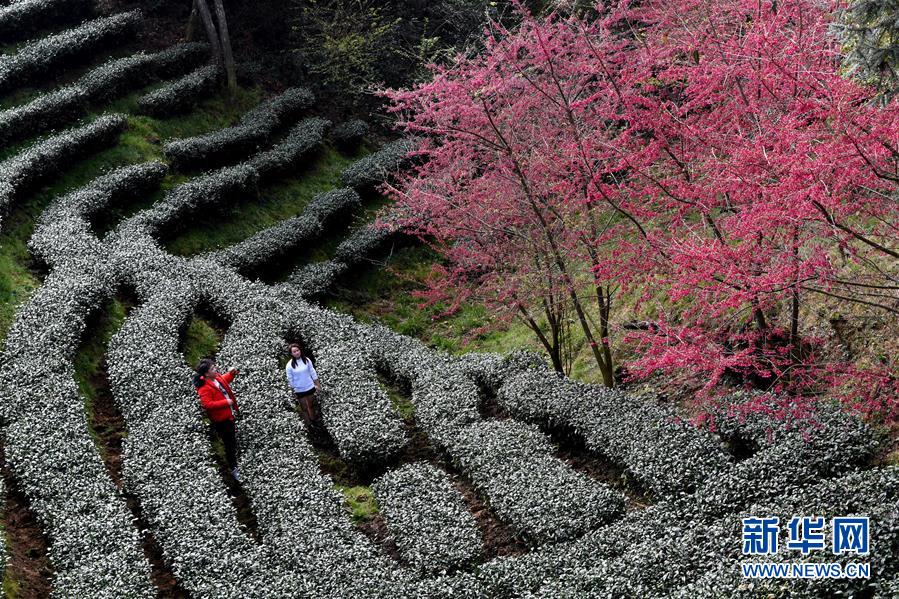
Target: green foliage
point(360, 501)
point(342, 42)
point(200, 340)
point(89, 358)
point(350, 46)
point(10, 584)
point(400, 401)
point(869, 30)
point(283, 200)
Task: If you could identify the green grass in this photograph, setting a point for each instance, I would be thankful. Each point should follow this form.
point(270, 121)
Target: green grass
point(18, 276)
point(140, 142)
point(10, 584)
point(88, 359)
point(63, 78)
point(276, 203)
point(384, 293)
point(200, 340)
point(381, 294)
point(400, 401)
point(360, 501)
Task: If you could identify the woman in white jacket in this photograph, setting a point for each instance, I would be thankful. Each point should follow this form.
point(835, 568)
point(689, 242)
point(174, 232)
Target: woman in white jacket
point(303, 379)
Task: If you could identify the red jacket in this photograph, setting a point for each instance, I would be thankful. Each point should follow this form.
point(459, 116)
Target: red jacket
point(215, 404)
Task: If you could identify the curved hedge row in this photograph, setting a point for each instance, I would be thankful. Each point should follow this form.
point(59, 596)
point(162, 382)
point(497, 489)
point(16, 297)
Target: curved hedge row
point(301, 515)
point(22, 172)
point(302, 138)
point(378, 166)
point(796, 463)
point(168, 462)
point(356, 411)
point(66, 217)
point(65, 105)
point(279, 240)
point(47, 442)
point(764, 420)
point(665, 453)
point(20, 19)
point(691, 550)
point(230, 182)
point(182, 94)
point(510, 463)
point(210, 188)
point(254, 129)
point(44, 57)
point(427, 518)
point(349, 134)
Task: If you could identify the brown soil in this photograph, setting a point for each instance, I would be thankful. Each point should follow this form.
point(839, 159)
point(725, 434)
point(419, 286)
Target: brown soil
point(376, 530)
point(28, 569)
point(572, 452)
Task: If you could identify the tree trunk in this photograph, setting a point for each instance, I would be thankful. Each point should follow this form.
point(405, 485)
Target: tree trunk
point(553, 348)
point(230, 69)
point(192, 22)
point(212, 35)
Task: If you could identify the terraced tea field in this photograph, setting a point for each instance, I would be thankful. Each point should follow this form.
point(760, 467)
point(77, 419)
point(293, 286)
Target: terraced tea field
point(492, 476)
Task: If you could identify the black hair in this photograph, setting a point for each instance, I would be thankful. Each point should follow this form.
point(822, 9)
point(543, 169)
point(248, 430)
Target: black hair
point(202, 368)
point(293, 361)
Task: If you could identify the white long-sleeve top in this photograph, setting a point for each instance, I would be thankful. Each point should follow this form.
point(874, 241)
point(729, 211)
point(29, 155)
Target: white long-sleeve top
point(301, 378)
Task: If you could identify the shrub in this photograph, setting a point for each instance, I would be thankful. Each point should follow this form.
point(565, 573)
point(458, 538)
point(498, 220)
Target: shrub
point(42, 114)
point(314, 279)
point(66, 218)
point(44, 57)
point(277, 241)
point(364, 242)
point(175, 60)
point(228, 144)
point(22, 18)
point(349, 134)
point(65, 105)
point(43, 159)
point(181, 95)
point(376, 167)
point(355, 409)
point(541, 496)
point(427, 518)
point(211, 188)
point(664, 452)
point(168, 455)
point(298, 142)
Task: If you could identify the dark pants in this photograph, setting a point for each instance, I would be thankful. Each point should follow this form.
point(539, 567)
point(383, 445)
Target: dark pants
point(226, 432)
point(305, 399)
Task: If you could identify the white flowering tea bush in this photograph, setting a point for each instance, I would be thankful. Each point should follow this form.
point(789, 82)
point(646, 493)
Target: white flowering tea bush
point(182, 94)
point(376, 167)
point(234, 143)
point(24, 17)
point(577, 535)
point(349, 134)
point(111, 79)
point(277, 241)
point(24, 170)
point(427, 517)
point(39, 59)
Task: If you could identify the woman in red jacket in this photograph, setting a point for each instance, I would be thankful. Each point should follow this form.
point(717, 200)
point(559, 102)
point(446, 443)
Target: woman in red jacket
point(220, 404)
